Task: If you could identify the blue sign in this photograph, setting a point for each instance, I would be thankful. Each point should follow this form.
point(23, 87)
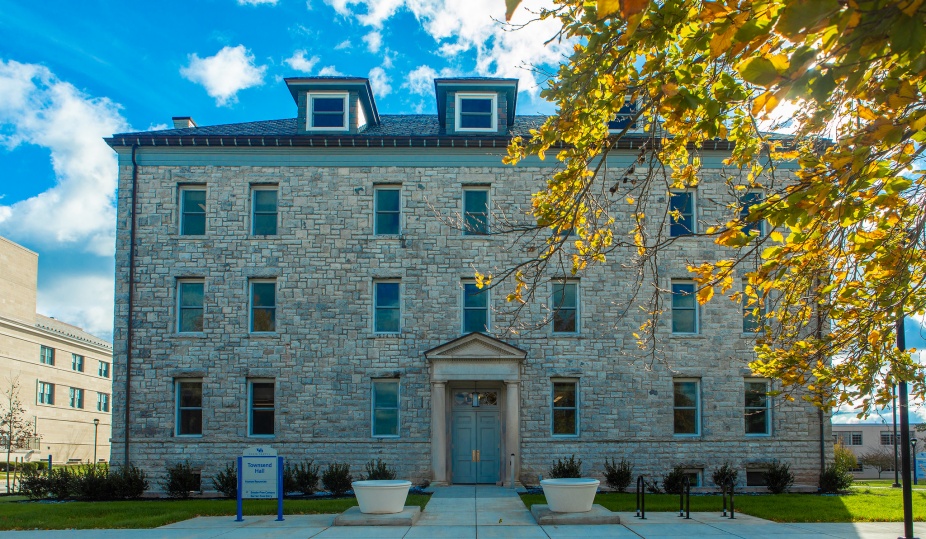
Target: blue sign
point(260, 476)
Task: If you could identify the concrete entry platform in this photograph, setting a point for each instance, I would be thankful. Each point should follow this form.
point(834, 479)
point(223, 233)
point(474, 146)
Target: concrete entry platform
point(598, 515)
point(353, 517)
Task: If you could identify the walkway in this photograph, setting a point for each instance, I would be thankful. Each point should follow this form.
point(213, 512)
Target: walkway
point(484, 512)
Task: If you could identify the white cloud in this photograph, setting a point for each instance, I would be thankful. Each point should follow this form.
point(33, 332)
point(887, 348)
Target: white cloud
point(256, 2)
point(346, 44)
point(231, 70)
point(158, 127)
point(85, 301)
point(374, 41)
point(329, 71)
point(472, 26)
point(379, 81)
point(78, 212)
point(299, 62)
point(420, 80)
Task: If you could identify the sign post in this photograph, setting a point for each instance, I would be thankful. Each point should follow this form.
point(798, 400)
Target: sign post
point(260, 477)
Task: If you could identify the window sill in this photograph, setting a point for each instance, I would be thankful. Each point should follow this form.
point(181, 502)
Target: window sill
point(686, 436)
point(188, 436)
point(191, 335)
point(386, 437)
point(687, 336)
point(564, 436)
point(386, 335)
point(567, 335)
point(262, 436)
point(263, 335)
point(764, 435)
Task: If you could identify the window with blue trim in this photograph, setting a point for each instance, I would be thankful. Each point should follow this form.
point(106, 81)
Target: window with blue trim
point(681, 213)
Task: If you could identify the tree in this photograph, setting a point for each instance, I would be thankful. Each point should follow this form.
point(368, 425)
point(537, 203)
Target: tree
point(880, 459)
point(843, 258)
point(843, 458)
point(14, 429)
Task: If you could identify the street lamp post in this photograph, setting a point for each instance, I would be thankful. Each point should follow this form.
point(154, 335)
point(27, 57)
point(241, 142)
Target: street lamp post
point(894, 441)
point(907, 489)
point(913, 443)
point(96, 428)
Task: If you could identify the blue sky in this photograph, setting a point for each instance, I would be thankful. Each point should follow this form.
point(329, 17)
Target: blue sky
point(74, 72)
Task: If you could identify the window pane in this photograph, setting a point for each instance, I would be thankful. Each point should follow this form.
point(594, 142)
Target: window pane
point(265, 224)
point(564, 321)
point(483, 105)
point(191, 320)
point(476, 201)
point(683, 322)
point(265, 200)
point(386, 394)
point(263, 294)
point(191, 394)
point(564, 421)
point(686, 394)
point(328, 104)
point(747, 201)
point(264, 320)
point(191, 421)
point(387, 294)
point(194, 201)
point(387, 223)
point(682, 203)
point(328, 120)
point(191, 294)
point(476, 224)
point(475, 212)
point(564, 295)
point(262, 394)
point(476, 121)
point(683, 295)
point(686, 422)
point(564, 395)
point(475, 320)
point(473, 296)
point(756, 394)
point(386, 422)
point(387, 200)
point(193, 208)
point(387, 320)
point(756, 421)
point(262, 422)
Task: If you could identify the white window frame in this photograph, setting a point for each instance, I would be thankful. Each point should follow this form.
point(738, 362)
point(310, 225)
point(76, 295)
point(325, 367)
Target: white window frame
point(254, 190)
point(309, 112)
point(697, 307)
point(77, 362)
point(694, 212)
point(376, 191)
point(697, 407)
point(458, 101)
point(276, 305)
point(102, 402)
point(768, 407)
point(201, 407)
point(398, 407)
point(251, 382)
point(46, 359)
point(182, 207)
point(76, 398)
point(485, 292)
point(40, 394)
point(578, 307)
point(488, 229)
point(553, 407)
point(180, 283)
point(376, 306)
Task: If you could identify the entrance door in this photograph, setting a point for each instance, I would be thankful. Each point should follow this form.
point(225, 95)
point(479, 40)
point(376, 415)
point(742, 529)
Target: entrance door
point(476, 436)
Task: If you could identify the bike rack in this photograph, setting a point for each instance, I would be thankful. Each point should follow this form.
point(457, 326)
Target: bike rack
point(728, 486)
point(641, 498)
point(684, 500)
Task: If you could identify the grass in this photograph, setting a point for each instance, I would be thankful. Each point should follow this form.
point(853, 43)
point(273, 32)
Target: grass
point(866, 506)
point(863, 483)
point(153, 513)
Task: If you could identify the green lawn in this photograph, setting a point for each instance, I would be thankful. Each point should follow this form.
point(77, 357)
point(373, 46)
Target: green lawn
point(874, 506)
point(153, 513)
point(862, 483)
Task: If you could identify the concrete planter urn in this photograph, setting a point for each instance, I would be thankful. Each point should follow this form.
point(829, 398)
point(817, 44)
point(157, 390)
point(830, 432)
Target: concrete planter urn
point(573, 495)
point(381, 496)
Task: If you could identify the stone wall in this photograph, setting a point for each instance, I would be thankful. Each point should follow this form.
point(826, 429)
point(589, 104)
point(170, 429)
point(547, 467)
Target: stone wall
point(324, 354)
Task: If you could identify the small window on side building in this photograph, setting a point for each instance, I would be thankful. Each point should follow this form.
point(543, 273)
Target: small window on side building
point(476, 112)
point(327, 111)
point(77, 362)
point(47, 355)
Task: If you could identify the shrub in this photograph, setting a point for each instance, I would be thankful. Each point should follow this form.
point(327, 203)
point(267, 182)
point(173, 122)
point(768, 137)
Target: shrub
point(60, 483)
point(778, 478)
point(91, 483)
point(226, 481)
point(725, 475)
point(305, 475)
point(566, 468)
point(652, 488)
point(835, 479)
point(180, 481)
point(34, 484)
point(127, 482)
point(618, 475)
point(674, 481)
point(845, 458)
point(379, 470)
point(337, 478)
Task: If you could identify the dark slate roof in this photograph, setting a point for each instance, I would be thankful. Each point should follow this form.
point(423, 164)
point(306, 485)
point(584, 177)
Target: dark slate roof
point(392, 125)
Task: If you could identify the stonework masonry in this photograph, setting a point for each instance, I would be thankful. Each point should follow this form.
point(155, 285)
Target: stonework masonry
point(324, 355)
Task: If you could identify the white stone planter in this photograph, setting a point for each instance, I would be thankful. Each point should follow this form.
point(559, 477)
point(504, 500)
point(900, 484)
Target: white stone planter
point(570, 495)
point(381, 496)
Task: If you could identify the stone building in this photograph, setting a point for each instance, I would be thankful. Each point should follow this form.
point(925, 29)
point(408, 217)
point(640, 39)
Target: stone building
point(307, 283)
point(64, 373)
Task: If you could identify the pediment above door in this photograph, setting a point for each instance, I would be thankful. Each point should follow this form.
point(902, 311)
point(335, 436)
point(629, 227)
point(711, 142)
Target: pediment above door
point(475, 357)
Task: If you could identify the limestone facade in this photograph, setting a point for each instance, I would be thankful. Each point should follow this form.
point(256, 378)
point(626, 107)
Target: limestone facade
point(323, 360)
point(38, 352)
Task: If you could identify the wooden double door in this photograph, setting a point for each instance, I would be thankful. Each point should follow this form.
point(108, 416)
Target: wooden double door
point(475, 435)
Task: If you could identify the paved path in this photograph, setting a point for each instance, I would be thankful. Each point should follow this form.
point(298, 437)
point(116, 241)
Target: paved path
point(467, 512)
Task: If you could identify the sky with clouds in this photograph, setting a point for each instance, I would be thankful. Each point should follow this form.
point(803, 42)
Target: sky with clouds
point(72, 73)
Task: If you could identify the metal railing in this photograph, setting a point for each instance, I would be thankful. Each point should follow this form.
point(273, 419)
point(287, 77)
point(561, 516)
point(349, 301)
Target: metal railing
point(728, 487)
point(641, 498)
point(684, 499)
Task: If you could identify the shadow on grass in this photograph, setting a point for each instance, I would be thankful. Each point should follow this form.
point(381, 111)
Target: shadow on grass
point(874, 506)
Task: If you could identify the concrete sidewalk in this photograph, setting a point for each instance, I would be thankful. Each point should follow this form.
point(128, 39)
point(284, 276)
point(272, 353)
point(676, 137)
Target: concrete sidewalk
point(468, 512)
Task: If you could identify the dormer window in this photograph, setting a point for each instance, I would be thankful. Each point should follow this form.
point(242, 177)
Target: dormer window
point(623, 118)
point(476, 112)
point(327, 111)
